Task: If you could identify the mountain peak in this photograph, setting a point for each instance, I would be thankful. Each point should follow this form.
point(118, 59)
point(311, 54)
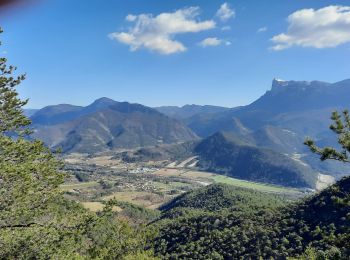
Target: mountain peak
point(277, 81)
point(103, 100)
point(279, 85)
point(102, 103)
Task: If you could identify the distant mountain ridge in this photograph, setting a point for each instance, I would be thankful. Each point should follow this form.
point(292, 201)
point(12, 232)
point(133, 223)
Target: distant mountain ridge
point(188, 111)
point(106, 125)
point(300, 106)
point(303, 95)
point(64, 112)
point(283, 117)
point(279, 120)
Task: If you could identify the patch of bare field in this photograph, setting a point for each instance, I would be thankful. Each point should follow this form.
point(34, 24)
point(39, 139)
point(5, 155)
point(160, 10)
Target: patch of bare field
point(78, 186)
point(191, 174)
point(104, 161)
point(168, 172)
point(75, 158)
point(145, 199)
point(198, 174)
point(98, 206)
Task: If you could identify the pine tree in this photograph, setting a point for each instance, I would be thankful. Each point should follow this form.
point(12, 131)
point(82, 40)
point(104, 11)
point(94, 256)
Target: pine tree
point(36, 221)
point(341, 127)
point(29, 172)
point(31, 203)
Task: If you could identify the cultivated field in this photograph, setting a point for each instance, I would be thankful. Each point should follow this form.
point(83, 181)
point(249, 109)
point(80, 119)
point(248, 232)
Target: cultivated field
point(95, 180)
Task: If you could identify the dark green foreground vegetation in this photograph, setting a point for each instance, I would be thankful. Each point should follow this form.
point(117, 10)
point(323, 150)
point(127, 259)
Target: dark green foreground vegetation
point(215, 222)
point(222, 222)
point(36, 221)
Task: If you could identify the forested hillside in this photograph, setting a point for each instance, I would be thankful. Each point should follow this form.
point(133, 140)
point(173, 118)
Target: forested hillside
point(231, 156)
point(222, 222)
point(217, 222)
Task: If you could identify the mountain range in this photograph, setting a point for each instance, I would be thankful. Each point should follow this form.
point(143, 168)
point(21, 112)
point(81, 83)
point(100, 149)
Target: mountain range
point(106, 125)
point(282, 118)
point(299, 106)
point(253, 142)
point(188, 111)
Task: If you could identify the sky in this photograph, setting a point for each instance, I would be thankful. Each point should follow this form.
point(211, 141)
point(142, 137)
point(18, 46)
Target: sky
point(172, 52)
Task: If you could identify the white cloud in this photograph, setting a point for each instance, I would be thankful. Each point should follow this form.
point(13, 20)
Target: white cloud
point(262, 29)
point(323, 28)
point(157, 33)
point(226, 28)
point(131, 18)
point(210, 42)
point(225, 12)
point(213, 41)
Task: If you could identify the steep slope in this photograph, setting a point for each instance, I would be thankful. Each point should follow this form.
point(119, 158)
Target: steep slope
point(230, 155)
point(278, 139)
point(322, 221)
point(105, 125)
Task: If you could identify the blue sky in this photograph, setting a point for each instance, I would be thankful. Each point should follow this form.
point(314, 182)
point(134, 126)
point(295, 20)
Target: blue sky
point(173, 52)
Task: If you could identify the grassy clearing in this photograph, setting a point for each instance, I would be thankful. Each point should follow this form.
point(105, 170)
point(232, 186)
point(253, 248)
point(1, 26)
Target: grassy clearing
point(161, 185)
point(145, 199)
point(253, 185)
point(93, 206)
point(190, 174)
point(171, 185)
point(98, 206)
point(82, 185)
point(208, 177)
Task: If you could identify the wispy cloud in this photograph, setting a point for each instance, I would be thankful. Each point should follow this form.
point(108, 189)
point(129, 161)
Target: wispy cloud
point(226, 28)
point(213, 41)
point(225, 12)
point(323, 28)
point(262, 29)
point(157, 33)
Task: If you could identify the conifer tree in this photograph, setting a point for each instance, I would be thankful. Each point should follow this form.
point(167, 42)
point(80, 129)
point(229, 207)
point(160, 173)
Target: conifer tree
point(341, 127)
point(29, 172)
point(36, 221)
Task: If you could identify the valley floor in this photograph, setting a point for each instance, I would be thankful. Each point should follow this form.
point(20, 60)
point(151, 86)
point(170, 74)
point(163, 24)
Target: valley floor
point(93, 180)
